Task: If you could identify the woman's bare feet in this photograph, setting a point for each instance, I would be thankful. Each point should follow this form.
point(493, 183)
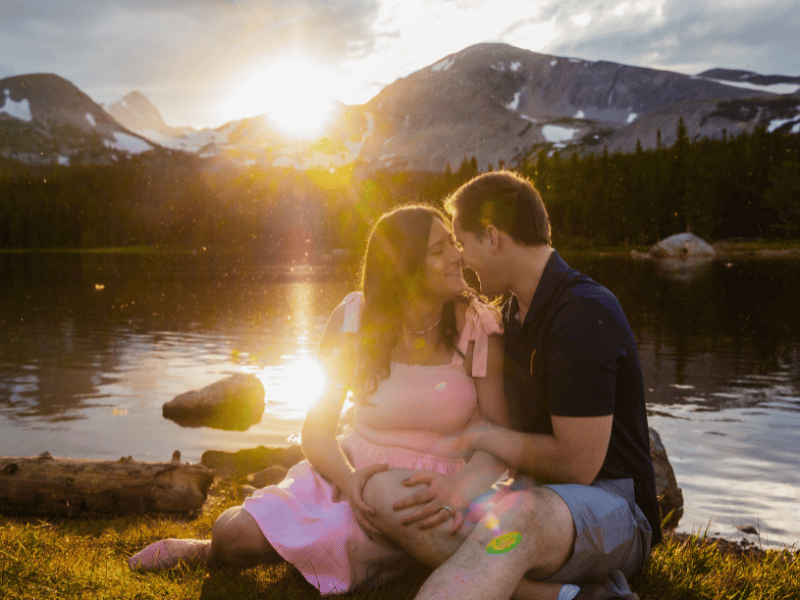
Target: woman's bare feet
point(168, 554)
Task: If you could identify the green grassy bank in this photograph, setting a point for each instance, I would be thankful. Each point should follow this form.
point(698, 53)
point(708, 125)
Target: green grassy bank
point(85, 558)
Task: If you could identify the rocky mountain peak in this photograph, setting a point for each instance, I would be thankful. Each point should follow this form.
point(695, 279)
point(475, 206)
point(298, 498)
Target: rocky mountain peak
point(47, 118)
point(137, 113)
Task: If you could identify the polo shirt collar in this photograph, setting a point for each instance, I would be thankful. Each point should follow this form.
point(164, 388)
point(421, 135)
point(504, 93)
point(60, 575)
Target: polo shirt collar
point(554, 272)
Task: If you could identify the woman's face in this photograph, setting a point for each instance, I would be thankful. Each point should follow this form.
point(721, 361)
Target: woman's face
point(442, 269)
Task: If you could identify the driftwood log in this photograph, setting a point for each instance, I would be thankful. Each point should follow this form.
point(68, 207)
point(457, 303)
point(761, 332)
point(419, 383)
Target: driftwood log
point(69, 487)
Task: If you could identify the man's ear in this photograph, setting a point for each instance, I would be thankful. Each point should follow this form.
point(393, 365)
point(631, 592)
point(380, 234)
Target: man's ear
point(494, 238)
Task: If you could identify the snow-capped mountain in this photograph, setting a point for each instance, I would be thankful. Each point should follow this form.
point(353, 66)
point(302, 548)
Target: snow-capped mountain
point(491, 101)
point(138, 114)
point(45, 118)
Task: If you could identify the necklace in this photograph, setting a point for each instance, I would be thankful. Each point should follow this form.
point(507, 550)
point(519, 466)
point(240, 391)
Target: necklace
point(424, 331)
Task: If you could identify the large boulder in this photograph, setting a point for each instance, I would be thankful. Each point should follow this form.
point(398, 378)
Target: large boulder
point(681, 245)
point(670, 497)
point(234, 404)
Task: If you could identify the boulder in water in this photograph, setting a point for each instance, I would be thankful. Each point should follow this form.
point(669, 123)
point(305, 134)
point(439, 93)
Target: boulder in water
point(681, 245)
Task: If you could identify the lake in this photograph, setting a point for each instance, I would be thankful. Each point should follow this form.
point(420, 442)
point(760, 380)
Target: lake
point(92, 345)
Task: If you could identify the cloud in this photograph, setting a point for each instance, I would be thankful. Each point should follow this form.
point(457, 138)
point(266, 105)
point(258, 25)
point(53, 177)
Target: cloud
point(169, 49)
point(188, 55)
point(688, 35)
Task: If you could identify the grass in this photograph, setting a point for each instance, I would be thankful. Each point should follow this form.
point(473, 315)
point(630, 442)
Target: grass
point(72, 559)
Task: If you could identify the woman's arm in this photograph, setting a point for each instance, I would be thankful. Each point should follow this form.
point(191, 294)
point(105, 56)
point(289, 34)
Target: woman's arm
point(336, 356)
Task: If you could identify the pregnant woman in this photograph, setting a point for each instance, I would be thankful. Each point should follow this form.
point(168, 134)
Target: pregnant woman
point(421, 355)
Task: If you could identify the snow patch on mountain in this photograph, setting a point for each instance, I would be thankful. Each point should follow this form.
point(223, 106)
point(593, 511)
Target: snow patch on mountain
point(19, 110)
point(128, 143)
point(775, 88)
point(631, 117)
point(90, 119)
point(776, 123)
point(444, 64)
point(558, 135)
point(579, 115)
point(514, 104)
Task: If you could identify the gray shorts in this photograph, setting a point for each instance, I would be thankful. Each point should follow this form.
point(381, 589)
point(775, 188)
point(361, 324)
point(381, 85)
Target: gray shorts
point(611, 531)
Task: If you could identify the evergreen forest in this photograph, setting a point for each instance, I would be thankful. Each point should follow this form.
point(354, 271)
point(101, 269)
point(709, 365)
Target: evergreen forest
point(739, 187)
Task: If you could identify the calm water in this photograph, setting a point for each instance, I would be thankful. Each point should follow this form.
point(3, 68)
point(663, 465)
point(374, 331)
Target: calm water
point(91, 346)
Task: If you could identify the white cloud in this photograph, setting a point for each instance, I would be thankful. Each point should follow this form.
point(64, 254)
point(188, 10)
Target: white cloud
point(581, 20)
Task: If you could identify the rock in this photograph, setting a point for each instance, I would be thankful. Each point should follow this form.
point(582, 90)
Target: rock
point(747, 529)
point(269, 476)
point(681, 245)
point(670, 497)
point(237, 465)
point(234, 404)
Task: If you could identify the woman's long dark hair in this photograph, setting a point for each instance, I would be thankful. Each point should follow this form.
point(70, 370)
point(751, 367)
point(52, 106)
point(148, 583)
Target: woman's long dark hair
point(392, 271)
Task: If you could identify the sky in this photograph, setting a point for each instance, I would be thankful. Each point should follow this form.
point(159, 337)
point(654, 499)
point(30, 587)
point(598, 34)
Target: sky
point(204, 63)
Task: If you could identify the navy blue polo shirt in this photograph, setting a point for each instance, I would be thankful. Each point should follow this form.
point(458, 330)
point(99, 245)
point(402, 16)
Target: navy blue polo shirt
point(575, 356)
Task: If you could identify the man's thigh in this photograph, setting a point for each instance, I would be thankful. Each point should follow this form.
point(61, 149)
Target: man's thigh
point(611, 531)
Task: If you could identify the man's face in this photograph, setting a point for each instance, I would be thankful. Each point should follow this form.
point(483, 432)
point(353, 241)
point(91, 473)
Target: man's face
point(478, 257)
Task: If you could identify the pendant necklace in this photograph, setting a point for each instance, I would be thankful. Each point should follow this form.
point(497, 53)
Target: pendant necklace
point(419, 343)
point(424, 331)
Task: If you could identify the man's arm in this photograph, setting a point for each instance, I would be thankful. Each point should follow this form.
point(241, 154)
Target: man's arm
point(573, 454)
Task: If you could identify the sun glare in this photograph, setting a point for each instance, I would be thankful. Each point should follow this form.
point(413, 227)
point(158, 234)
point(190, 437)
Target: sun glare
point(294, 95)
point(303, 382)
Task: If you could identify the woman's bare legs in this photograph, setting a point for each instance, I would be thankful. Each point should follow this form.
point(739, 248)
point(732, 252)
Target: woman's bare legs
point(236, 542)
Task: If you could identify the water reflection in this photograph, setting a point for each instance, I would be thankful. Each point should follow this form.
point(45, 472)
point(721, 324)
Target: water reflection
point(684, 270)
point(93, 345)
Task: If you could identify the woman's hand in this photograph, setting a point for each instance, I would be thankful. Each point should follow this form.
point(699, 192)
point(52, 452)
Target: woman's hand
point(354, 490)
point(445, 497)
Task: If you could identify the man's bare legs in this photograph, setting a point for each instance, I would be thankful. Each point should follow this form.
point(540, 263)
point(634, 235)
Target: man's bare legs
point(468, 570)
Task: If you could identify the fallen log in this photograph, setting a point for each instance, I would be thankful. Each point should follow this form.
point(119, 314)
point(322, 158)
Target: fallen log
point(69, 487)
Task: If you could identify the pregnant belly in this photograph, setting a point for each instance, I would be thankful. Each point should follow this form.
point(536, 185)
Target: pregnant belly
point(427, 442)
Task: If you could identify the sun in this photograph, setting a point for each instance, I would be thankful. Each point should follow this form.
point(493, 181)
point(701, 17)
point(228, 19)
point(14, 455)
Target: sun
point(294, 94)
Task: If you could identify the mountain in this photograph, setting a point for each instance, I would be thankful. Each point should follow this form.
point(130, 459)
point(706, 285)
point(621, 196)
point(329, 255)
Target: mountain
point(495, 102)
point(45, 118)
point(138, 114)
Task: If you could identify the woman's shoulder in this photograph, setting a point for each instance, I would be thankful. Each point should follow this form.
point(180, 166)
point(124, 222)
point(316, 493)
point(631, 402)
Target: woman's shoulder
point(346, 317)
point(476, 310)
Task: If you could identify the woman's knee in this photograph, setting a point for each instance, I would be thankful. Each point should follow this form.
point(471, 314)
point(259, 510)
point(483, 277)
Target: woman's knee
point(237, 532)
point(383, 489)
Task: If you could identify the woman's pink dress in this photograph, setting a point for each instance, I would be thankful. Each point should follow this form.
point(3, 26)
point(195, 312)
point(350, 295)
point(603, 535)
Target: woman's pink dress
point(307, 520)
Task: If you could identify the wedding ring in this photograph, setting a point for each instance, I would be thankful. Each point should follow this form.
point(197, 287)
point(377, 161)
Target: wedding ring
point(448, 509)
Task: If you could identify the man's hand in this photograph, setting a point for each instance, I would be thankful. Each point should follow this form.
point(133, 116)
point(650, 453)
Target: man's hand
point(442, 499)
point(354, 491)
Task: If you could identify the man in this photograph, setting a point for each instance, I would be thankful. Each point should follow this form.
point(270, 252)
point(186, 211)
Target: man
point(574, 386)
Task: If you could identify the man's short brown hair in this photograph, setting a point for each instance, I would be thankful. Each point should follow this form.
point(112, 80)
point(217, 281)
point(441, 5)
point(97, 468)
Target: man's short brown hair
point(506, 200)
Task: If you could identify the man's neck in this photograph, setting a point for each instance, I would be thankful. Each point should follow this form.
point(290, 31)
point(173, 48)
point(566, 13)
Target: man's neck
point(527, 268)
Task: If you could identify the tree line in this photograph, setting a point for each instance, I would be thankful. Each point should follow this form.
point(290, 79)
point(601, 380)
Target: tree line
point(740, 187)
